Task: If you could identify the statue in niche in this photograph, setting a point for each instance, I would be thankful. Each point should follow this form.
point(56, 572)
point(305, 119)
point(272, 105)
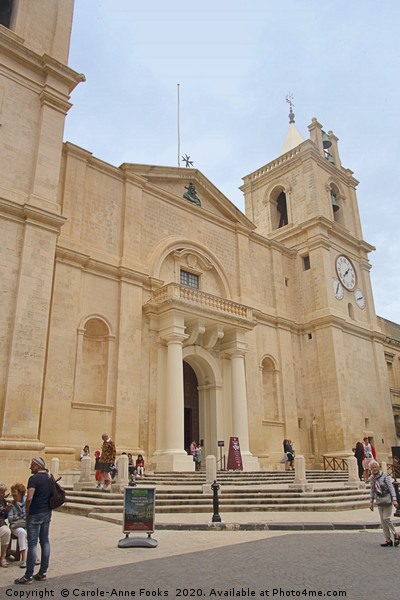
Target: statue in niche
point(191, 194)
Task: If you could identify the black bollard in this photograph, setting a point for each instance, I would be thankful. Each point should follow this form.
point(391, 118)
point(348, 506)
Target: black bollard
point(216, 516)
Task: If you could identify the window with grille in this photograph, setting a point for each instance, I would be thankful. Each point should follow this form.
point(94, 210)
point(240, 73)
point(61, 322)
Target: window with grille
point(189, 279)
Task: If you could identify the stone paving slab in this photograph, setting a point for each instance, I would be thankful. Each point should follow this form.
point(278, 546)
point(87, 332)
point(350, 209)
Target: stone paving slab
point(85, 561)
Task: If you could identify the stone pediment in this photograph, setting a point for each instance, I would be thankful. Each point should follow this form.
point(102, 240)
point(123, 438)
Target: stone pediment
point(173, 181)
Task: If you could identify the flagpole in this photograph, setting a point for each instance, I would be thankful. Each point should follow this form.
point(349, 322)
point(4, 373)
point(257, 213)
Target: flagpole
point(179, 139)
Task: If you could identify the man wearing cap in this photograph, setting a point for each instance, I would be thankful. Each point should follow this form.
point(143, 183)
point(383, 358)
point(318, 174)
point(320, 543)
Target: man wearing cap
point(38, 516)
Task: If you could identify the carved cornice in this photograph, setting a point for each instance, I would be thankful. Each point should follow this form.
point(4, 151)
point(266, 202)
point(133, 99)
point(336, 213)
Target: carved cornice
point(101, 268)
point(52, 66)
point(325, 230)
point(27, 213)
point(303, 152)
point(330, 320)
point(13, 46)
point(54, 101)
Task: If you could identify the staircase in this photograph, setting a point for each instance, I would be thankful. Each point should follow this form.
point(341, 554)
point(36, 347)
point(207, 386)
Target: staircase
point(240, 492)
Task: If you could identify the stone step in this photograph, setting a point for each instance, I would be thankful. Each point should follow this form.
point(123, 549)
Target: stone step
point(227, 491)
point(89, 510)
point(232, 481)
point(259, 491)
point(326, 499)
point(197, 500)
point(316, 506)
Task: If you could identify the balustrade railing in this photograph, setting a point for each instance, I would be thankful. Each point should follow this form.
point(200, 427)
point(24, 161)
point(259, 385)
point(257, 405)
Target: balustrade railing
point(393, 471)
point(335, 464)
point(194, 296)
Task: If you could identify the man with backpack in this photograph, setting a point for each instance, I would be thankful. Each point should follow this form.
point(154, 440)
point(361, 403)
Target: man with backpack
point(38, 516)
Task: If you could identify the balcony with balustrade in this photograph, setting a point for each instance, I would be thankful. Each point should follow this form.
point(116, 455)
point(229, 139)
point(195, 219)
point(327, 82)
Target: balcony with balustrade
point(197, 303)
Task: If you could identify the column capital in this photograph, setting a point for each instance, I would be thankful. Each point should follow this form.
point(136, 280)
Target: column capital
point(234, 343)
point(234, 352)
point(177, 338)
point(172, 327)
point(174, 337)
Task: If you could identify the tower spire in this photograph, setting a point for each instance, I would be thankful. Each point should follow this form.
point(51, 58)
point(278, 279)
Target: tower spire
point(293, 137)
point(289, 100)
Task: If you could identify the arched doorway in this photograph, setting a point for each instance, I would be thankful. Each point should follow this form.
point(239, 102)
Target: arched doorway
point(209, 417)
point(191, 405)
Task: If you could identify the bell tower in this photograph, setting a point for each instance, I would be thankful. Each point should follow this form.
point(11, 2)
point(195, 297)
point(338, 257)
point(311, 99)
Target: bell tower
point(305, 200)
point(35, 85)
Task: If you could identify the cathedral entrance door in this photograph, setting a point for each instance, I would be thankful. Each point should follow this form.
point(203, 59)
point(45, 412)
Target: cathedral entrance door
point(191, 405)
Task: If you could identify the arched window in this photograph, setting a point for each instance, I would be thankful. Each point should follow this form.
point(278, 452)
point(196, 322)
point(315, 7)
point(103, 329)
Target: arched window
point(282, 210)
point(279, 209)
point(93, 362)
point(270, 390)
point(336, 204)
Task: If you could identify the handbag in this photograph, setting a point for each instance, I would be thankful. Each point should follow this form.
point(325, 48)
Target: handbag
point(384, 499)
point(21, 522)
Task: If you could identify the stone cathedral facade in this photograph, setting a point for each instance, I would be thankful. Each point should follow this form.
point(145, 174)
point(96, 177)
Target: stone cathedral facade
point(139, 301)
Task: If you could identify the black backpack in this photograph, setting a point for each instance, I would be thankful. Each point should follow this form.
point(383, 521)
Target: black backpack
point(57, 497)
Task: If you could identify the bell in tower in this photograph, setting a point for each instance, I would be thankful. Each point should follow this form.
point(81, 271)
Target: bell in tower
point(335, 205)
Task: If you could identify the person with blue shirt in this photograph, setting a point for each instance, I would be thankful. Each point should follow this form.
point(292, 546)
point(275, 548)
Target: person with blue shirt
point(38, 517)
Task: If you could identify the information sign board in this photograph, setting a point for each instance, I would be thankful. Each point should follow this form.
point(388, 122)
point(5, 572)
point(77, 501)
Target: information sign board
point(234, 456)
point(139, 507)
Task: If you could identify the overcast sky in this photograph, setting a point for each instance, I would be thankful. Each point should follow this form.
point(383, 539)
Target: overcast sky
point(235, 62)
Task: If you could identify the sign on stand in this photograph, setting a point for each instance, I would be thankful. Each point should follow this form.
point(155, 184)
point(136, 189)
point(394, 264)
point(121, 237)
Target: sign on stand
point(234, 456)
point(139, 509)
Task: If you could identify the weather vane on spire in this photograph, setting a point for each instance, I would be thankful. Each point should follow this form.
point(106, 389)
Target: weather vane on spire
point(289, 100)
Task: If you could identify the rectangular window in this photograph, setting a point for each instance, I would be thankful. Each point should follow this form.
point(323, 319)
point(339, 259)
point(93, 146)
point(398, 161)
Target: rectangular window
point(189, 279)
point(306, 262)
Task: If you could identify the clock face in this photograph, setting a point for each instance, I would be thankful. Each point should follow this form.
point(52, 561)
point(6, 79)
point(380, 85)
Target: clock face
point(346, 272)
point(359, 298)
point(337, 288)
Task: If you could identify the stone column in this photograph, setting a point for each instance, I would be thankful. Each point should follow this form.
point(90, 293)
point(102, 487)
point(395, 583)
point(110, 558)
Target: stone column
point(85, 469)
point(300, 479)
point(54, 468)
point(86, 479)
point(174, 420)
point(352, 468)
point(240, 426)
point(211, 473)
point(123, 470)
point(173, 456)
point(235, 347)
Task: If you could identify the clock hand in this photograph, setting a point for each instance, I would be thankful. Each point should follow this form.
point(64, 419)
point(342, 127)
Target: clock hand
point(337, 289)
point(346, 272)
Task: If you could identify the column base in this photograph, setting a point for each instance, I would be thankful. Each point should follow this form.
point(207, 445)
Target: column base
point(169, 460)
point(250, 462)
